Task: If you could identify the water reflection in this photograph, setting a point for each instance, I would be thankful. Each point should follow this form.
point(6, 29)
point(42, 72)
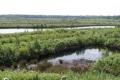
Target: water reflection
point(78, 60)
point(92, 54)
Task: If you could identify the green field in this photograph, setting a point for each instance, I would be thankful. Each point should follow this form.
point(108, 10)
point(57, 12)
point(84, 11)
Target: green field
point(43, 21)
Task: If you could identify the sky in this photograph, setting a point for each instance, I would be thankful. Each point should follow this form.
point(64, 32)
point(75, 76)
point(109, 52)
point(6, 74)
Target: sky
point(60, 7)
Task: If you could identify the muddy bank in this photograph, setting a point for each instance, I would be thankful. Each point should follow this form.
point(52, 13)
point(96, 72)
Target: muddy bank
point(80, 65)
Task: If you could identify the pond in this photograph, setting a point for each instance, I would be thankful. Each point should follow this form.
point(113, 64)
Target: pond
point(89, 54)
point(6, 31)
point(81, 58)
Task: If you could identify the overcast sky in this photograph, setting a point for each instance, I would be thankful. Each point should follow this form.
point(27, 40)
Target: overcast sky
point(60, 7)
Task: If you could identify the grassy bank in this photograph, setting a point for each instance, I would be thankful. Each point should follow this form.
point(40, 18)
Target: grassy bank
point(39, 44)
point(54, 76)
point(22, 75)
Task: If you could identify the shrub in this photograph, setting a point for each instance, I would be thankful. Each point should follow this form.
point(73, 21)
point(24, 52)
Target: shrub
point(23, 53)
point(7, 57)
point(34, 49)
point(110, 64)
point(59, 46)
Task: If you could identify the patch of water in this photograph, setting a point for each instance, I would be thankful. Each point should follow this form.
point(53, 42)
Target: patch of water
point(6, 31)
point(79, 59)
point(91, 54)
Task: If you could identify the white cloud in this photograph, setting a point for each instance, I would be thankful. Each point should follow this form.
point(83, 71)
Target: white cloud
point(60, 7)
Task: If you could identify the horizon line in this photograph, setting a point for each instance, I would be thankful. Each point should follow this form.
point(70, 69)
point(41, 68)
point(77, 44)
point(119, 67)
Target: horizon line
point(55, 15)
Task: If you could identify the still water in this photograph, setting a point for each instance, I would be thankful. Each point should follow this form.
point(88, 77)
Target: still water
point(6, 31)
point(91, 54)
point(81, 57)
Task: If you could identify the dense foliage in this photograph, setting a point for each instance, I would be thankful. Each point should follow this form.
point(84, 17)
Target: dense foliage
point(110, 64)
point(39, 44)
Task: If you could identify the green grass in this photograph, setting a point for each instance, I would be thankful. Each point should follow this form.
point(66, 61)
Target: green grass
point(16, 21)
point(109, 64)
point(22, 75)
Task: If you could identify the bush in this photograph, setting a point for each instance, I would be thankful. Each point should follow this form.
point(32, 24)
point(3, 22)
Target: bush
point(7, 57)
point(110, 64)
point(34, 49)
point(59, 46)
point(23, 53)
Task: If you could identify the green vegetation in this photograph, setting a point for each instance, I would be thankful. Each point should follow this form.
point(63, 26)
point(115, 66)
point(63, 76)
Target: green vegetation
point(22, 48)
point(30, 75)
point(109, 64)
point(42, 21)
point(39, 44)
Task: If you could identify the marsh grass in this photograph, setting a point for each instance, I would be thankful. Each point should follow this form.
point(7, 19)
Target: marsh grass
point(55, 76)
